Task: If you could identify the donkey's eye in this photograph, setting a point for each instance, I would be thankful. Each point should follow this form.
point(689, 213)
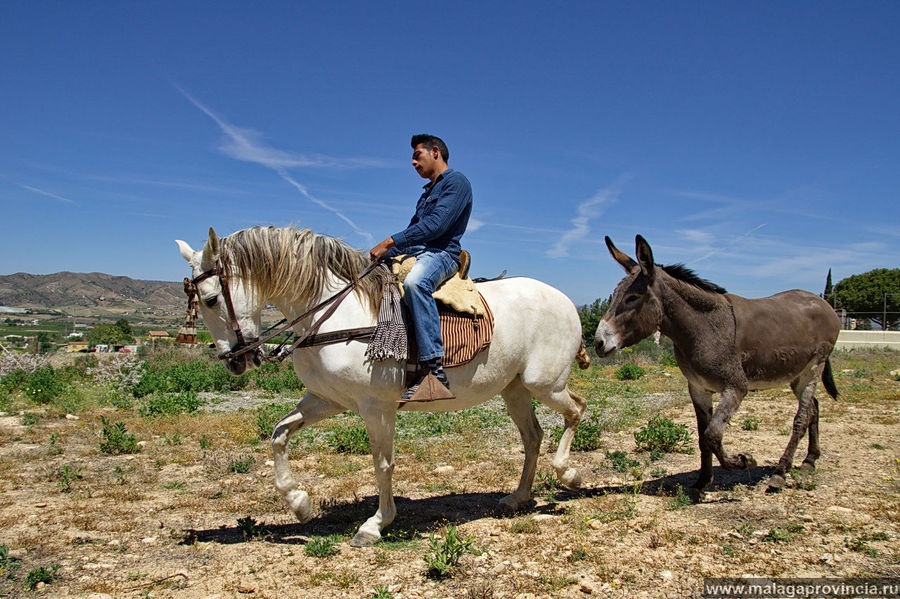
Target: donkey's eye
point(632, 299)
point(211, 301)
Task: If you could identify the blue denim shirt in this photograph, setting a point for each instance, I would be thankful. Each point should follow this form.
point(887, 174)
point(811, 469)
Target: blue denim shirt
point(442, 214)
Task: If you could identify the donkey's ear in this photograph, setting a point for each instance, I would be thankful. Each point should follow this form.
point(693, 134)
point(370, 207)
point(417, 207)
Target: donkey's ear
point(186, 251)
point(645, 257)
point(619, 256)
point(210, 250)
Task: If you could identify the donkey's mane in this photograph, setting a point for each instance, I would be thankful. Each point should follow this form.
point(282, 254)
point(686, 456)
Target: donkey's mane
point(294, 263)
point(685, 274)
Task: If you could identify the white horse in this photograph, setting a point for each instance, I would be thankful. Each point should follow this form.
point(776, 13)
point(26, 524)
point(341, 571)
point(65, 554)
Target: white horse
point(537, 335)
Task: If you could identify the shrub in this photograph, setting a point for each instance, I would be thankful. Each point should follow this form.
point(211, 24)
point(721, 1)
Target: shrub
point(750, 423)
point(587, 436)
point(276, 377)
point(241, 466)
point(159, 404)
point(116, 439)
point(321, 547)
point(65, 476)
point(663, 434)
point(667, 359)
point(351, 439)
point(629, 371)
point(249, 527)
point(620, 461)
point(43, 385)
point(39, 575)
point(268, 415)
point(443, 555)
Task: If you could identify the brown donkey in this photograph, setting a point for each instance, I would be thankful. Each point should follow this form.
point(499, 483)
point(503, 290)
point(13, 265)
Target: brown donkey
point(726, 344)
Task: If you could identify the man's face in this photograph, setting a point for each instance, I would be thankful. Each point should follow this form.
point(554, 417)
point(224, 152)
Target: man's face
point(425, 161)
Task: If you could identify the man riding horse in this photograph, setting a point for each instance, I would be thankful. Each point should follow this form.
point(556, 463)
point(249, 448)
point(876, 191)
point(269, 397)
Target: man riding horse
point(433, 236)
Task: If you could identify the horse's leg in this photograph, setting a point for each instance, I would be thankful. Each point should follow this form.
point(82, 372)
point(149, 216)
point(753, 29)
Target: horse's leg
point(729, 401)
point(571, 406)
point(309, 410)
point(702, 401)
point(804, 388)
point(380, 424)
point(518, 404)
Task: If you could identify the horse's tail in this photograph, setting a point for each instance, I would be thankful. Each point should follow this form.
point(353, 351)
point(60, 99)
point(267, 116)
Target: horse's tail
point(828, 380)
point(584, 360)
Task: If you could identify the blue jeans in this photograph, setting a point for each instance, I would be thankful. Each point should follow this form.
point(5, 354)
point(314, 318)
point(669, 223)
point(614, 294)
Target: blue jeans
point(432, 268)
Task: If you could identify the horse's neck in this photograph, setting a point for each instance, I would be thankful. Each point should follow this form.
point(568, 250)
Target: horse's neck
point(690, 313)
point(350, 313)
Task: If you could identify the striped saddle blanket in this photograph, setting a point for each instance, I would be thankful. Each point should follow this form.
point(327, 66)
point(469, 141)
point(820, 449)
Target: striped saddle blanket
point(464, 334)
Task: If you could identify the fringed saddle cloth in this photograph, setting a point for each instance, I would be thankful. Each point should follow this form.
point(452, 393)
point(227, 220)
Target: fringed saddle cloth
point(467, 323)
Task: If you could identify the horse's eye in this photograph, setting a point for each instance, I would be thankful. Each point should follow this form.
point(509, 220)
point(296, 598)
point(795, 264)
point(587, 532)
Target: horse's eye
point(632, 299)
point(211, 301)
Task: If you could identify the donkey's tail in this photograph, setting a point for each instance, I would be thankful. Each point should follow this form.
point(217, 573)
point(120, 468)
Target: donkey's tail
point(584, 360)
point(828, 380)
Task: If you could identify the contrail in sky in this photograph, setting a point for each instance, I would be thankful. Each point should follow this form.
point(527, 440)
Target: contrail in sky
point(245, 144)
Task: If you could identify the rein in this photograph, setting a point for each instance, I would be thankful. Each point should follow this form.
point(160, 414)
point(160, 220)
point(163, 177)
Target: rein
point(309, 338)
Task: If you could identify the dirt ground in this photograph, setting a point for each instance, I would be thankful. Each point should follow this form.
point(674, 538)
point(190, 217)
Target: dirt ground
point(176, 520)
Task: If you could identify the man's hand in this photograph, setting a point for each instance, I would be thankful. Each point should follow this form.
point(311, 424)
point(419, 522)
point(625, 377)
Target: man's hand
point(378, 252)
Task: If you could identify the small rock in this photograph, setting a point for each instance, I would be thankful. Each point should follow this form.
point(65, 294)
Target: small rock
point(666, 575)
point(114, 542)
point(39, 586)
point(595, 524)
point(587, 586)
point(842, 510)
point(826, 558)
point(895, 373)
point(99, 596)
point(142, 443)
point(40, 505)
point(270, 463)
point(544, 518)
point(72, 417)
point(444, 470)
point(148, 540)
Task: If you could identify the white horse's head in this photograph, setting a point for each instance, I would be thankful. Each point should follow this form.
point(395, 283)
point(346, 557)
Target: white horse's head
point(228, 305)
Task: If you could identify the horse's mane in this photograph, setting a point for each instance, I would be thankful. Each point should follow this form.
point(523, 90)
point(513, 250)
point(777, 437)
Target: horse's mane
point(685, 274)
point(293, 263)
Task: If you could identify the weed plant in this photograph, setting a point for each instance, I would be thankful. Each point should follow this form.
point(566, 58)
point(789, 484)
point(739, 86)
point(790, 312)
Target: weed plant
point(664, 435)
point(442, 555)
point(241, 466)
point(620, 461)
point(587, 436)
point(750, 423)
point(268, 415)
point(43, 385)
point(116, 439)
point(40, 575)
point(321, 547)
point(352, 439)
point(250, 528)
point(161, 404)
point(65, 476)
point(629, 371)
point(381, 592)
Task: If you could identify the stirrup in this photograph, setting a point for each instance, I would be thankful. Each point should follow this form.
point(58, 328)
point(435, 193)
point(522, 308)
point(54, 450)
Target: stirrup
point(429, 389)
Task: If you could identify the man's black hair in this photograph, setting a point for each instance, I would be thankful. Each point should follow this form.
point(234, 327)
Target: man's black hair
point(429, 142)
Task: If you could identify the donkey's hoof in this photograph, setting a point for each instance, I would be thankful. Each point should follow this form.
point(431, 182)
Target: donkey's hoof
point(748, 460)
point(776, 483)
point(364, 539)
point(807, 468)
point(571, 479)
point(695, 494)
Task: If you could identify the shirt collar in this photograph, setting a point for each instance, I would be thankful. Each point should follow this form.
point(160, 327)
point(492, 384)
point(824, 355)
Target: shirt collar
point(429, 185)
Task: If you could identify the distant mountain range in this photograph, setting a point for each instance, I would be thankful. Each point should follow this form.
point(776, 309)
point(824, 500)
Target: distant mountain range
point(94, 290)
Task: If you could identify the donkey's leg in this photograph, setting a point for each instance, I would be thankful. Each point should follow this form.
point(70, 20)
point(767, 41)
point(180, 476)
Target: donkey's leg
point(813, 452)
point(518, 404)
point(309, 410)
point(380, 424)
point(729, 401)
point(702, 401)
point(804, 388)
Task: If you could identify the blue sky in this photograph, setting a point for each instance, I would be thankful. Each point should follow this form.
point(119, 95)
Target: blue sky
point(758, 143)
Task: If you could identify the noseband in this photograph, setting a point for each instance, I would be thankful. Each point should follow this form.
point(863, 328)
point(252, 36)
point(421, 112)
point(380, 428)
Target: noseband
point(190, 288)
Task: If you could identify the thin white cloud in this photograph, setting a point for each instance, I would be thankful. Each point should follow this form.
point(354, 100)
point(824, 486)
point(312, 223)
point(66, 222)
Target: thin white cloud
point(697, 235)
point(49, 194)
point(587, 210)
point(729, 245)
point(246, 144)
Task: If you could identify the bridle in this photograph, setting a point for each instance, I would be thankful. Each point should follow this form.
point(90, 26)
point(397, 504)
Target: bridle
point(309, 338)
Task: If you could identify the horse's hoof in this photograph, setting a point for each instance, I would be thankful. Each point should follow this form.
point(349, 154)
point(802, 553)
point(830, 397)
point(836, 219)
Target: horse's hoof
point(776, 483)
point(807, 468)
point(300, 504)
point(571, 479)
point(364, 539)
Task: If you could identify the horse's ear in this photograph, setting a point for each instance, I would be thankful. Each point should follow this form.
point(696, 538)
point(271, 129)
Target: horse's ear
point(186, 251)
point(619, 256)
point(645, 257)
point(210, 250)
